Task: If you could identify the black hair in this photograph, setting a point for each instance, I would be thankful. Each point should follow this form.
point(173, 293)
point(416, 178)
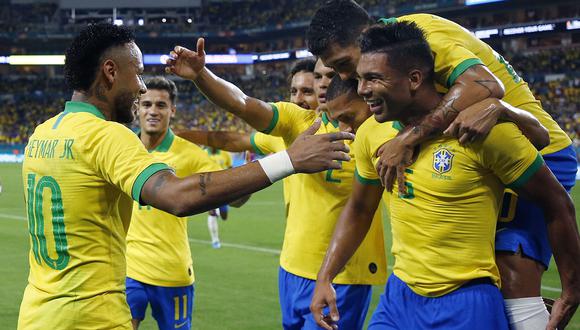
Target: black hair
point(337, 21)
point(306, 65)
point(164, 84)
point(83, 56)
point(338, 87)
point(403, 42)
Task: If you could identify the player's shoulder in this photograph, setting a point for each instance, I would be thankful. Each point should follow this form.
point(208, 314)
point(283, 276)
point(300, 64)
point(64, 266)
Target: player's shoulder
point(282, 107)
point(371, 129)
point(503, 132)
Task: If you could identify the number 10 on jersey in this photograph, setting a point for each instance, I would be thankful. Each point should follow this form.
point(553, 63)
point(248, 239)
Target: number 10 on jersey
point(36, 221)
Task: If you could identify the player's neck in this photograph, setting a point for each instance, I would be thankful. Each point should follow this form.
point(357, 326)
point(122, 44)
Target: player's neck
point(425, 102)
point(152, 141)
point(103, 107)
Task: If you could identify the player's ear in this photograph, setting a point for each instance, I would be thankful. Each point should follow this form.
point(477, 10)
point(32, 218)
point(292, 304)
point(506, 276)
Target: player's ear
point(415, 79)
point(173, 109)
point(109, 69)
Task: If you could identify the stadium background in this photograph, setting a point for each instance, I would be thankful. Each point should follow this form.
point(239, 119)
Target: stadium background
point(254, 43)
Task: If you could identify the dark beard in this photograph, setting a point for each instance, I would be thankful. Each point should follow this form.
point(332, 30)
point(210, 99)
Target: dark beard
point(123, 104)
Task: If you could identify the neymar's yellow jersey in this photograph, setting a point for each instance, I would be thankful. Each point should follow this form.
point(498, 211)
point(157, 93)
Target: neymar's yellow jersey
point(316, 205)
point(158, 250)
point(264, 144)
point(222, 158)
point(444, 227)
point(80, 172)
point(455, 50)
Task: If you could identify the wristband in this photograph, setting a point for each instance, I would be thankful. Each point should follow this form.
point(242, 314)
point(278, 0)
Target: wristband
point(277, 166)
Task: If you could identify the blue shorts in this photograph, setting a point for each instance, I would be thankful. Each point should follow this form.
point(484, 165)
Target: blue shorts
point(296, 294)
point(224, 208)
point(171, 306)
point(477, 305)
point(525, 228)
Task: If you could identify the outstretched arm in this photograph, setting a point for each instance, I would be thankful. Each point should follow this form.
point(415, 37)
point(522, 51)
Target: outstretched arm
point(544, 189)
point(351, 228)
point(190, 65)
point(201, 192)
point(223, 140)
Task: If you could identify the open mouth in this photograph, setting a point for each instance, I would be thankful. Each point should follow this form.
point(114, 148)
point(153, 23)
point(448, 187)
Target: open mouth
point(322, 98)
point(153, 121)
point(375, 105)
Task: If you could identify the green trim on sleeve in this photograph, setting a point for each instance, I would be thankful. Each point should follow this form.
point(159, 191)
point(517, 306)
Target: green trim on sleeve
point(374, 182)
point(460, 68)
point(274, 120)
point(143, 177)
point(386, 21)
point(255, 146)
point(525, 177)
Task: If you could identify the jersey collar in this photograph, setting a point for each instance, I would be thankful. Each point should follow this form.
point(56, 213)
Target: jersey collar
point(398, 125)
point(74, 106)
point(166, 143)
point(326, 120)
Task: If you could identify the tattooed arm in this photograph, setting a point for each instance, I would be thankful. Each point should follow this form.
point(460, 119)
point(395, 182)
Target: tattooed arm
point(474, 85)
point(203, 191)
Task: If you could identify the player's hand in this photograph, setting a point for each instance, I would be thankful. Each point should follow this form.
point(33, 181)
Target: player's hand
point(562, 310)
point(187, 63)
point(314, 153)
point(394, 157)
point(476, 121)
point(324, 296)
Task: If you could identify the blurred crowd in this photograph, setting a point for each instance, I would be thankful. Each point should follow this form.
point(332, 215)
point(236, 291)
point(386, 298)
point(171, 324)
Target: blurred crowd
point(28, 99)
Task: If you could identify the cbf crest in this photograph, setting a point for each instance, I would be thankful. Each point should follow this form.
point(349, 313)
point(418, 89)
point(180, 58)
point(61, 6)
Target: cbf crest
point(442, 160)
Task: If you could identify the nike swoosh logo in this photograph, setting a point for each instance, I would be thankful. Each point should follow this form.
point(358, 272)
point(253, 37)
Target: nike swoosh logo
point(179, 325)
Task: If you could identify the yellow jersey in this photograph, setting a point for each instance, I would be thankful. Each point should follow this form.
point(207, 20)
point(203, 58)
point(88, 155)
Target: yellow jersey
point(316, 206)
point(444, 226)
point(455, 50)
point(158, 251)
point(264, 144)
point(220, 157)
point(80, 172)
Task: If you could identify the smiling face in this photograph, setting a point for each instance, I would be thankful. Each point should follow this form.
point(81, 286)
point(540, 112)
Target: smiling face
point(302, 90)
point(322, 77)
point(385, 89)
point(128, 86)
point(155, 111)
point(342, 59)
point(349, 109)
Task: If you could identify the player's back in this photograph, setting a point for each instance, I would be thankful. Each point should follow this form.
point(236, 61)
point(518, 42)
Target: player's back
point(456, 49)
point(79, 171)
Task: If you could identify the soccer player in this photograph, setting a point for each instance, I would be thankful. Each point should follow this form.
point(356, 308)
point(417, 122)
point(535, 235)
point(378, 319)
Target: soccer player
point(305, 75)
point(314, 208)
point(224, 160)
point(302, 90)
point(82, 168)
point(159, 265)
point(443, 227)
point(469, 71)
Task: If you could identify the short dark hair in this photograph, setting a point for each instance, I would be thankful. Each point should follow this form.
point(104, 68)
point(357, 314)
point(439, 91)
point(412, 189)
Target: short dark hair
point(338, 87)
point(306, 65)
point(339, 21)
point(403, 42)
point(164, 84)
point(83, 56)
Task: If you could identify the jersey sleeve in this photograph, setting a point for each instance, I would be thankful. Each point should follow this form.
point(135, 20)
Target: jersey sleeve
point(450, 55)
point(201, 162)
point(122, 160)
point(227, 159)
point(365, 171)
point(264, 144)
point(289, 121)
point(509, 154)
